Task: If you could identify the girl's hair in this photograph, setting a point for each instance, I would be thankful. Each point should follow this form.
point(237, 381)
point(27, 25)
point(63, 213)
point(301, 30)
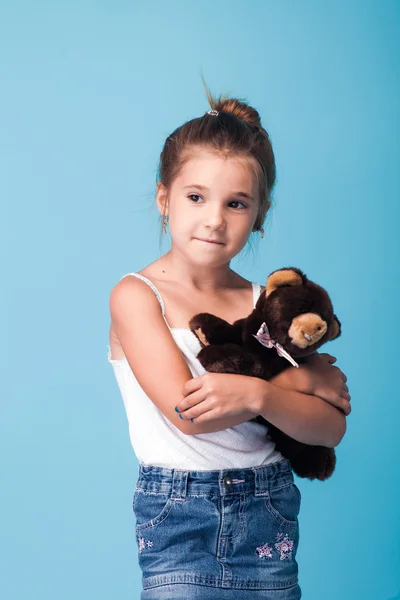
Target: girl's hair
point(235, 132)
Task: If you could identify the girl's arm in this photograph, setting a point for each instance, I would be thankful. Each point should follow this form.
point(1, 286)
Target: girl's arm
point(216, 403)
point(303, 417)
point(309, 403)
point(288, 379)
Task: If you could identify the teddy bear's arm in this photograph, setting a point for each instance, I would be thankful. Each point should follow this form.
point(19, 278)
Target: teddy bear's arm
point(210, 329)
point(231, 358)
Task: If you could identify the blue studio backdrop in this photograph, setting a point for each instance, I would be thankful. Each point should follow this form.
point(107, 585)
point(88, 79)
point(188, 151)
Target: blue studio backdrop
point(89, 92)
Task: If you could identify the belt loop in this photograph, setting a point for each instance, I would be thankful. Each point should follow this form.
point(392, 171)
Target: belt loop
point(260, 481)
point(179, 484)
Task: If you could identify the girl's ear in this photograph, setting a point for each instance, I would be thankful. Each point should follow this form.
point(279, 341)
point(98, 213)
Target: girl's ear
point(162, 198)
point(281, 277)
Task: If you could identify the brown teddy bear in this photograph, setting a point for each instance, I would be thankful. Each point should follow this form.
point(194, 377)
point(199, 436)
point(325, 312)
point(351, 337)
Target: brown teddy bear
point(292, 318)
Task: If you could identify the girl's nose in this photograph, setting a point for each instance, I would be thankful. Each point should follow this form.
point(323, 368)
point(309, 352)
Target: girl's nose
point(215, 219)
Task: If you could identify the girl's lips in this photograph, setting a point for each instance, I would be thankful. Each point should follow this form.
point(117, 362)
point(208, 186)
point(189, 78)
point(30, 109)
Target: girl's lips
point(210, 242)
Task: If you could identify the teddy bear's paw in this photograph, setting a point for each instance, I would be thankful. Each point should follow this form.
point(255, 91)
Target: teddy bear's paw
point(329, 462)
point(315, 462)
point(201, 337)
point(198, 326)
point(210, 329)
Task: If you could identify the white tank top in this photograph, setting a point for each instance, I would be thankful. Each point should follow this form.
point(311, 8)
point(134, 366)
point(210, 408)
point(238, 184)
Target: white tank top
point(157, 441)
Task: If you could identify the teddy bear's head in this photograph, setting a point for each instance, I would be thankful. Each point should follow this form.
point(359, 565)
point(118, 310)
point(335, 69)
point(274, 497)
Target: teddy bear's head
point(298, 312)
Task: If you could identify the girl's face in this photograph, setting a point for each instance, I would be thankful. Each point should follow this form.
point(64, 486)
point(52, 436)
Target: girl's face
point(213, 198)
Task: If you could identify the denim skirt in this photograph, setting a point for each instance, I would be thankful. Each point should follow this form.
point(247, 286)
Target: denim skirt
point(228, 534)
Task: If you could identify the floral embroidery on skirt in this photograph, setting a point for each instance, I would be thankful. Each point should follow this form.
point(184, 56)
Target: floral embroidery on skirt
point(283, 545)
point(143, 544)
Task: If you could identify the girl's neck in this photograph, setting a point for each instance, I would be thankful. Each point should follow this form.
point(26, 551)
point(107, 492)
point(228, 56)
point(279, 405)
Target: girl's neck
point(197, 277)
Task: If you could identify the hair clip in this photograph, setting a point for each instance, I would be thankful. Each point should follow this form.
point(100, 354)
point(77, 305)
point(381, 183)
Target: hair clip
point(213, 112)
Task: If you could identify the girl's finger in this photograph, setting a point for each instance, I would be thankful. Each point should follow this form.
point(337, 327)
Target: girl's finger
point(191, 400)
point(345, 403)
point(331, 359)
point(192, 385)
point(209, 415)
point(196, 411)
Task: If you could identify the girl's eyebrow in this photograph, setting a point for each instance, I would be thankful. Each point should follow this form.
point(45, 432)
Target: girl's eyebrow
point(204, 188)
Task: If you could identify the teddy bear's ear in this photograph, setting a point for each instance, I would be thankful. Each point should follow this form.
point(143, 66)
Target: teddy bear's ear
point(281, 277)
point(335, 328)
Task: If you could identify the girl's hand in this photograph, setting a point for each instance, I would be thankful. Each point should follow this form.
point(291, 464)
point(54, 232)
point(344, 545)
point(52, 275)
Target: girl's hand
point(327, 381)
point(217, 395)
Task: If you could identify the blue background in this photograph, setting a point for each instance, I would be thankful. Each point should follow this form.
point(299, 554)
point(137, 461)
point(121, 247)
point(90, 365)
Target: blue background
point(89, 92)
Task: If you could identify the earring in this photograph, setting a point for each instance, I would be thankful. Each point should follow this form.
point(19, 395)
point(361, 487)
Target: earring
point(262, 232)
point(165, 222)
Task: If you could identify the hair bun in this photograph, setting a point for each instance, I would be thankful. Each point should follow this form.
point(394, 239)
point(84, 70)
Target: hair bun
point(234, 106)
point(239, 109)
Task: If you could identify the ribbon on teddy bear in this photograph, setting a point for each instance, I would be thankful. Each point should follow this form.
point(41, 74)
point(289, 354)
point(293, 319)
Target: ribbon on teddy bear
point(265, 339)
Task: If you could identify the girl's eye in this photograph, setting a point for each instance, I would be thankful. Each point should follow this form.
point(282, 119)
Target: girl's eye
point(232, 202)
point(195, 195)
point(238, 202)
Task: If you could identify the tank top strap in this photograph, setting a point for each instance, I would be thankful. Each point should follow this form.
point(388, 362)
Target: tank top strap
point(153, 287)
point(256, 292)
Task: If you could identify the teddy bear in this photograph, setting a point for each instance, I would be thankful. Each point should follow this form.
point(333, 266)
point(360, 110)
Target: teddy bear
point(292, 318)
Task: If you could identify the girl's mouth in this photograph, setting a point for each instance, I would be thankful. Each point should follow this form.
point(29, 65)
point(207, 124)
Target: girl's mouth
point(210, 242)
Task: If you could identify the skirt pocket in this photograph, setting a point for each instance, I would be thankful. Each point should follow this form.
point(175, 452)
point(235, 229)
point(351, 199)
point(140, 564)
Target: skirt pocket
point(150, 508)
point(283, 503)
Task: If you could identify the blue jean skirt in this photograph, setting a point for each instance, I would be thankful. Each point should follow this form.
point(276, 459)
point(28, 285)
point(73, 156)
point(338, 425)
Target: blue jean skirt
point(229, 534)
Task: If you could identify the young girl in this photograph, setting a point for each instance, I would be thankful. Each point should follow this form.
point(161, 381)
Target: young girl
point(215, 503)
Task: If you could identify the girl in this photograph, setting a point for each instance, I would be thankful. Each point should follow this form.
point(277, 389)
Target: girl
point(215, 503)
